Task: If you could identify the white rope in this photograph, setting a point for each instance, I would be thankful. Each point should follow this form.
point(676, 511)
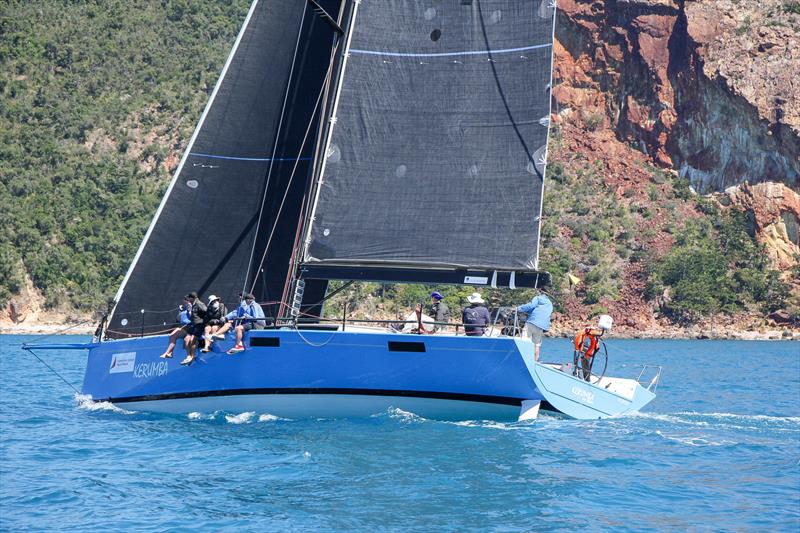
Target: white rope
point(312, 344)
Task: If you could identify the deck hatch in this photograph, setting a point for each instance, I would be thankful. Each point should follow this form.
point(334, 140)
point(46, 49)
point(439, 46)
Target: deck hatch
point(271, 342)
point(403, 346)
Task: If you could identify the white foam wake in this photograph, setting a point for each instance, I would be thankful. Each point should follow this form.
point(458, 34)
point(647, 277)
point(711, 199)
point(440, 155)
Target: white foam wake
point(696, 441)
point(693, 418)
point(241, 418)
point(399, 414)
point(85, 402)
point(201, 416)
point(755, 418)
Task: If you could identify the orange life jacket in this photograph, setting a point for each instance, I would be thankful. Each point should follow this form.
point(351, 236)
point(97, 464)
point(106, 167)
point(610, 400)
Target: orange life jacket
point(586, 343)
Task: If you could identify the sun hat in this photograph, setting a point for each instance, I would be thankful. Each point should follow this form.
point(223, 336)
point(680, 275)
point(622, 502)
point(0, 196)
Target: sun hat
point(212, 299)
point(475, 298)
point(435, 294)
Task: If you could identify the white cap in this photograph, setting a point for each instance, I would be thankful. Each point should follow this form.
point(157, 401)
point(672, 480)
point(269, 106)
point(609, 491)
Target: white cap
point(605, 322)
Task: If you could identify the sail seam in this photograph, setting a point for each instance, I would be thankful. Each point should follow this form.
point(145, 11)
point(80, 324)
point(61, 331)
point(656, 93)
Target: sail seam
point(177, 174)
point(450, 54)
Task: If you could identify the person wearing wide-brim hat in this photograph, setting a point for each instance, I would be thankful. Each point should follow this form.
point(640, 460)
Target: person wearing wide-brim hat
point(476, 316)
point(215, 320)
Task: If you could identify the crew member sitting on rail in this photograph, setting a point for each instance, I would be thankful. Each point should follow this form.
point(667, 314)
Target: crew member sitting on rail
point(215, 319)
point(196, 326)
point(248, 309)
point(587, 343)
point(184, 317)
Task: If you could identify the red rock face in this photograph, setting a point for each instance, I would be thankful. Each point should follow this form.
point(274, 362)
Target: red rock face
point(706, 89)
point(703, 87)
point(775, 210)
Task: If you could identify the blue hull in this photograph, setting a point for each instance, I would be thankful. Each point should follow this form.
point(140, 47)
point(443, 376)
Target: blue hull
point(291, 373)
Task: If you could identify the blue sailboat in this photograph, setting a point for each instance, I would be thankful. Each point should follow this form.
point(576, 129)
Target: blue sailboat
point(363, 141)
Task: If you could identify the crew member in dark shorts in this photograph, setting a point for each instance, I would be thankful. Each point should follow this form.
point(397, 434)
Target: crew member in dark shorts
point(195, 328)
point(215, 319)
point(177, 333)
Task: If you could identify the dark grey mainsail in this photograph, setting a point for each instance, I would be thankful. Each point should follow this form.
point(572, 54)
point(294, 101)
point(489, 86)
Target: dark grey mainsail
point(243, 175)
point(436, 159)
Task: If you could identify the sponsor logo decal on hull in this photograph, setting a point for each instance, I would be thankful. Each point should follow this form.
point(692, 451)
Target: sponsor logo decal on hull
point(122, 362)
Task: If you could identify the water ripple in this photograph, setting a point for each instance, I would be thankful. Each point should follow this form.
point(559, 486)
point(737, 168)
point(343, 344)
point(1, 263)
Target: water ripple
point(719, 455)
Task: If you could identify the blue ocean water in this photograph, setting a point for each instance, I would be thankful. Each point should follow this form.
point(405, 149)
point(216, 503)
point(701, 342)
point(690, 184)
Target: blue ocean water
point(717, 450)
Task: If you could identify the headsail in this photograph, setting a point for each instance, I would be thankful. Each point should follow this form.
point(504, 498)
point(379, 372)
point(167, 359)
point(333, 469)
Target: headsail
point(436, 160)
point(210, 232)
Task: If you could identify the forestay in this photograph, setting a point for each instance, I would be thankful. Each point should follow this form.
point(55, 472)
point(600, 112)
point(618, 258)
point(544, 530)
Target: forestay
point(438, 146)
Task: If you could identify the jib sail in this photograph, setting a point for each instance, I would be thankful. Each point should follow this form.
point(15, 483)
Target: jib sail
point(242, 177)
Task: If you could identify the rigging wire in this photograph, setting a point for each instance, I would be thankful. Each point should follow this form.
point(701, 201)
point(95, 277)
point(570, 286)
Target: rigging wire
point(274, 150)
point(291, 177)
point(53, 370)
point(60, 332)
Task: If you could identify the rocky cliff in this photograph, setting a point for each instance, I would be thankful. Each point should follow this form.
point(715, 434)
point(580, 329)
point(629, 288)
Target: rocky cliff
point(707, 88)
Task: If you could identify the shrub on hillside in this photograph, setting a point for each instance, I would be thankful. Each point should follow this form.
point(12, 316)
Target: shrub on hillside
point(716, 266)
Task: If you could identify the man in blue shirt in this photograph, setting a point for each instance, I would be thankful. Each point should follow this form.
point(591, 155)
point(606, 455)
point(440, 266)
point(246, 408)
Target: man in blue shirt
point(539, 310)
point(248, 308)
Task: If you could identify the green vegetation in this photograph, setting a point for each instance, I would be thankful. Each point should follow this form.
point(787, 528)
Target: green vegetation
point(585, 231)
point(745, 26)
point(792, 6)
point(89, 92)
point(715, 266)
point(97, 98)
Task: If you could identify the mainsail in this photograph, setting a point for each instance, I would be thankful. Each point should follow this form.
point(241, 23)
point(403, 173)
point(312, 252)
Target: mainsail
point(435, 163)
point(243, 175)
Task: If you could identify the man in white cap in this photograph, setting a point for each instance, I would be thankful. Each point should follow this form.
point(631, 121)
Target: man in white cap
point(214, 320)
point(476, 316)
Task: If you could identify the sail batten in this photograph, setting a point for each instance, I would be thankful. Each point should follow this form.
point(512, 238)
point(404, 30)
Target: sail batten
point(438, 148)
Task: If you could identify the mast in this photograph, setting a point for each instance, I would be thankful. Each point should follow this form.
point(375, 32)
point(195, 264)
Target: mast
point(330, 124)
point(316, 291)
